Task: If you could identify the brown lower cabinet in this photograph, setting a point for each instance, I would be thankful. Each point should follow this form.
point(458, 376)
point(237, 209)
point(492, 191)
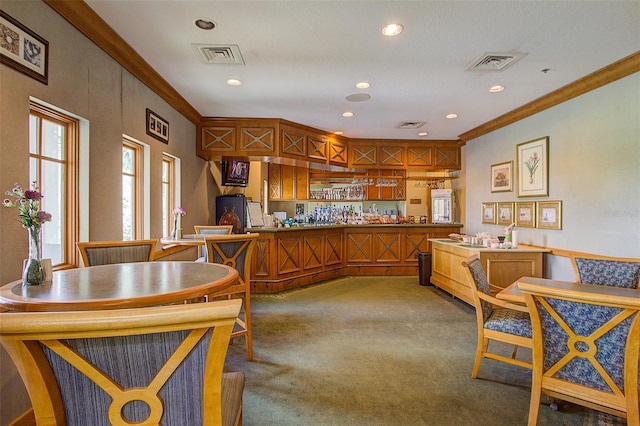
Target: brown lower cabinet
point(291, 257)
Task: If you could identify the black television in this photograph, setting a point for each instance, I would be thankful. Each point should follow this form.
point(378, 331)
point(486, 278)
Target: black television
point(235, 173)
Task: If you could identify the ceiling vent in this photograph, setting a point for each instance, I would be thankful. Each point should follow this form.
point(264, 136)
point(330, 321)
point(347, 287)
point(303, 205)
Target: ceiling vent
point(411, 124)
point(495, 61)
point(220, 54)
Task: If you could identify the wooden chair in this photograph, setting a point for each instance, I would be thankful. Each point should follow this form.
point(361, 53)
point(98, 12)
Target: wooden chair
point(235, 250)
point(586, 342)
point(213, 230)
point(107, 252)
point(154, 365)
point(611, 271)
point(497, 319)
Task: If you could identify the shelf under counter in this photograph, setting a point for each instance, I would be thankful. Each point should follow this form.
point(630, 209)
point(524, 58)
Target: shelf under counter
point(502, 266)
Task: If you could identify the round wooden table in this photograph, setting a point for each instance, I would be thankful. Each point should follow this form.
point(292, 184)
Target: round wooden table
point(122, 285)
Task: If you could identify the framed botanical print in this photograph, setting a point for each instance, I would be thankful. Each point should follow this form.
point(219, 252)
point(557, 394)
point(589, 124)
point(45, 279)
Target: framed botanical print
point(549, 215)
point(502, 177)
point(525, 214)
point(505, 214)
point(489, 213)
point(533, 168)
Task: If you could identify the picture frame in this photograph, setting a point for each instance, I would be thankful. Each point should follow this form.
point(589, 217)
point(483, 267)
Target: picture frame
point(23, 50)
point(505, 214)
point(532, 158)
point(549, 215)
point(502, 177)
point(157, 127)
point(489, 213)
point(525, 214)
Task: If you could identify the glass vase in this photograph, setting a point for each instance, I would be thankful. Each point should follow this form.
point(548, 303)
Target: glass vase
point(33, 273)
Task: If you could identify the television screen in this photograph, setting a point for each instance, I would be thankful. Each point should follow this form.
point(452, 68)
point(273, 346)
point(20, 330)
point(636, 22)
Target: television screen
point(235, 173)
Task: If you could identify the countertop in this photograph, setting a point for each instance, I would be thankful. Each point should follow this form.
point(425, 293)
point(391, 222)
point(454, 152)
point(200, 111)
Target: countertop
point(381, 225)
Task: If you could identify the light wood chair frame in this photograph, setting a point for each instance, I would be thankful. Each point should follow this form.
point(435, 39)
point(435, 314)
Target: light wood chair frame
point(22, 334)
point(485, 335)
point(243, 287)
point(227, 228)
point(84, 245)
point(589, 256)
point(619, 403)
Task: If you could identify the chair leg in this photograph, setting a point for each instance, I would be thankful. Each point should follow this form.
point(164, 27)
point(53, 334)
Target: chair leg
point(247, 322)
point(482, 348)
point(534, 407)
point(515, 352)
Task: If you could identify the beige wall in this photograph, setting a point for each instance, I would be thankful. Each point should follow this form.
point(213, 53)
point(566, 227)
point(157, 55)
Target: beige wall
point(86, 82)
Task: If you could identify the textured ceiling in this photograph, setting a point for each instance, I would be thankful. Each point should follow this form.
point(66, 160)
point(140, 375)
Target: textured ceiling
point(302, 58)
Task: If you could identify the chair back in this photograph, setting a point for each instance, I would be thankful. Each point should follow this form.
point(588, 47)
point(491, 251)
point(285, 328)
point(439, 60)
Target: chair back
point(586, 341)
point(481, 284)
point(235, 250)
point(607, 272)
point(107, 252)
point(210, 230)
point(157, 365)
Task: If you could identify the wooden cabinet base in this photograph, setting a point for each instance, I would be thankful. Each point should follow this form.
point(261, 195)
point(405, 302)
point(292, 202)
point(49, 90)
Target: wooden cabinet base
point(289, 258)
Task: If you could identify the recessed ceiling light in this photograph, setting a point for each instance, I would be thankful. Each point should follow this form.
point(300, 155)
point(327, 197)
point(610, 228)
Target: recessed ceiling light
point(339, 132)
point(347, 114)
point(234, 82)
point(497, 88)
point(391, 30)
point(205, 24)
point(453, 115)
point(423, 134)
point(363, 85)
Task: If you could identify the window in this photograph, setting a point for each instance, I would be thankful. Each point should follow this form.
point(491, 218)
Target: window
point(168, 193)
point(132, 180)
point(53, 165)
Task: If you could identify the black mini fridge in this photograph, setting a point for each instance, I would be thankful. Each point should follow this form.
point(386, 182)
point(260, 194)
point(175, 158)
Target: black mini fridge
point(232, 210)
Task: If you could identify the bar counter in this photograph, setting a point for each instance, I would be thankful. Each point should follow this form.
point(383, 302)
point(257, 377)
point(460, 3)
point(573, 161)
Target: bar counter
point(300, 255)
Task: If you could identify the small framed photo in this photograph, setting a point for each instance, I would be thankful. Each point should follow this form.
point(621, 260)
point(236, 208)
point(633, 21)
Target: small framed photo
point(502, 177)
point(549, 215)
point(157, 126)
point(23, 50)
point(505, 214)
point(533, 168)
point(525, 214)
point(489, 213)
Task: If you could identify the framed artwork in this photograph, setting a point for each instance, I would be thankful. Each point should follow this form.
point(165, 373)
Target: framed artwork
point(525, 214)
point(23, 50)
point(533, 168)
point(157, 126)
point(489, 213)
point(505, 214)
point(502, 177)
point(549, 215)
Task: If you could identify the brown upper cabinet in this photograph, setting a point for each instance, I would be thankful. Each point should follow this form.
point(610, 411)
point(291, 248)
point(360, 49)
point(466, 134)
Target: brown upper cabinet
point(287, 183)
point(269, 139)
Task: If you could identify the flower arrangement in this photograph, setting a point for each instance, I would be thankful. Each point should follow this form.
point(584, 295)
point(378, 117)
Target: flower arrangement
point(177, 212)
point(32, 218)
point(28, 205)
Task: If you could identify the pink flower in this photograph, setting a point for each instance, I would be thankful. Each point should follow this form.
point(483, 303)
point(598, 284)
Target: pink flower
point(32, 195)
point(179, 211)
point(44, 216)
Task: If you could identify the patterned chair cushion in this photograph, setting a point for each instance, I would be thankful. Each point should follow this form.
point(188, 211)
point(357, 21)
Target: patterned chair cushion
point(584, 319)
point(482, 284)
point(608, 272)
point(510, 321)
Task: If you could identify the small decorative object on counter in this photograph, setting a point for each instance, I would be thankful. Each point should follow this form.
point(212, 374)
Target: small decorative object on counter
point(177, 212)
point(32, 218)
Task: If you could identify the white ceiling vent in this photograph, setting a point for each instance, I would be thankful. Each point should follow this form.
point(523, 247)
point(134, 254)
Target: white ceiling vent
point(411, 124)
point(495, 61)
point(220, 54)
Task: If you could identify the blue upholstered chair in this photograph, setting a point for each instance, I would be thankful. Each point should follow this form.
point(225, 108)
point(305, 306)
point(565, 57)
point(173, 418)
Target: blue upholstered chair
point(157, 365)
point(607, 272)
point(107, 252)
point(586, 344)
point(497, 320)
point(210, 230)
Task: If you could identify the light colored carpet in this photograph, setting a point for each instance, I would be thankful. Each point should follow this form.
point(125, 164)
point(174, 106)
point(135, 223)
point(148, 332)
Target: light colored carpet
point(379, 351)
